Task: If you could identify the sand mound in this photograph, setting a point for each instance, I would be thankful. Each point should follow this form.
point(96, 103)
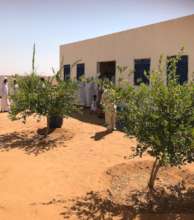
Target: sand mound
point(174, 187)
point(35, 142)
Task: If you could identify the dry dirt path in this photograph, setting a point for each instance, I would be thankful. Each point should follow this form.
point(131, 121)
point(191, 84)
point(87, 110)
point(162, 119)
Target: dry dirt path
point(36, 180)
point(30, 183)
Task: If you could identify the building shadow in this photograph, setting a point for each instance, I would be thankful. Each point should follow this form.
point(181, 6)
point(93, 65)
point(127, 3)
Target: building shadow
point(100, 135)
point(31, 143)
point(86, 116)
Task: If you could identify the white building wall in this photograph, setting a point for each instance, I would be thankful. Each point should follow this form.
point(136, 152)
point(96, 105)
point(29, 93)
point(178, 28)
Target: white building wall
point(146, 42)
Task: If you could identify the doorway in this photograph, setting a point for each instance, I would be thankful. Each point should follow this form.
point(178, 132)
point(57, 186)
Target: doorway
point(107, 70)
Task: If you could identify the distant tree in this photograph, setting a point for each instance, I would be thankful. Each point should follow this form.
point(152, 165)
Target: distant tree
point(161, 117)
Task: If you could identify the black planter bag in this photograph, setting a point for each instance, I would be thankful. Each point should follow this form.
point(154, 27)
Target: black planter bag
point(55, 122)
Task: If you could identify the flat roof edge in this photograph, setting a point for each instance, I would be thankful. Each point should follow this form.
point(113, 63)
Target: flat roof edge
point(123, 31)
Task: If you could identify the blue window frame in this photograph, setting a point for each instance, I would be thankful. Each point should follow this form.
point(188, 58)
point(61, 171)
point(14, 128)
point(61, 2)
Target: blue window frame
point(67, 72)
point(141, 66)
point(80, 70)
point(181, 69)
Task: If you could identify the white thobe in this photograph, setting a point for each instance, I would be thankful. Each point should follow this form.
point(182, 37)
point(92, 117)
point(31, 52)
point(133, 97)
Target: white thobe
point(5, 101)
point(88, 94)
point(82, 94)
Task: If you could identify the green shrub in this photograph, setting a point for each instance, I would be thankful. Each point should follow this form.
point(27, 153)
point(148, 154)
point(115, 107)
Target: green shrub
point(42, 98)
point(161, 117)
point(51, 98)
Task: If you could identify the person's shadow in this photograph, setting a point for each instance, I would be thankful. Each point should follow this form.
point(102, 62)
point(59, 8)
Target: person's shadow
point(100, 135)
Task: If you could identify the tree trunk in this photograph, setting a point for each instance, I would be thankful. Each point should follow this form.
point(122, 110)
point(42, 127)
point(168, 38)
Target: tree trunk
point(54, 122)
point(154, 172)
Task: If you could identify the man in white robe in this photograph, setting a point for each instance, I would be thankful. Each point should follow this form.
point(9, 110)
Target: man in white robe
point(82, 94)
point(5, 92)
point(88, 93)
point(15, 87)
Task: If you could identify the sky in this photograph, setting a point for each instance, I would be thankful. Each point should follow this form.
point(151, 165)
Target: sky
point(50, 23)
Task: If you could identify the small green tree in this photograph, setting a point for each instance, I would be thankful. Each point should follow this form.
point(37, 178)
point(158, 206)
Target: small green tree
point(53, 98)
point(161, 117)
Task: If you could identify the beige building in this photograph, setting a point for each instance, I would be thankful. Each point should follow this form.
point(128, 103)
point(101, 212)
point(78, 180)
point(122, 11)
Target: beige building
point(138, 48)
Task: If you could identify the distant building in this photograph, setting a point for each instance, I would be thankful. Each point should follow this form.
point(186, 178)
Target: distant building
point(138, 48)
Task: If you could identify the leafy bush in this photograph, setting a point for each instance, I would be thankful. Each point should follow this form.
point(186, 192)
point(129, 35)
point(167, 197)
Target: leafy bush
point(51, 98)
point(161, 117)
point(43, 98)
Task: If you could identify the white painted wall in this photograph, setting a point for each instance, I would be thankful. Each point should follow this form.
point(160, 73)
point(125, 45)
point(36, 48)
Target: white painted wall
point(146, 42)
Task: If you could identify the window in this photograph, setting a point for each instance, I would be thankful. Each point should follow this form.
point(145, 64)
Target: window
point(67, 72)
point(80, 70)
point(141, 66)
point(181, 69)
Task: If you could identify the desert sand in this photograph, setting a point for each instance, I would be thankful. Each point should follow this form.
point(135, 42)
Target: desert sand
point(58, 177)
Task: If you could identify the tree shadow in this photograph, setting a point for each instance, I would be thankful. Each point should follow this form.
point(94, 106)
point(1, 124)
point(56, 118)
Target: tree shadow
point(30, 142)
point(177, 205)
point(94, 207)
point(174, 202)
point(100, 135)
point(173, 199)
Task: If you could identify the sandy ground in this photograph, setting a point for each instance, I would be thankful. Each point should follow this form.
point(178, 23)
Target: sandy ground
point(39, 178)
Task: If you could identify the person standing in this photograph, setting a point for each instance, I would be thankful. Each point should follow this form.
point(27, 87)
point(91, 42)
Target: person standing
point(82, 94)
point(88, 92)
point(99, 111)
point(93, 107)
point(109, 108)
point(15, 87)
point(5, 105)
